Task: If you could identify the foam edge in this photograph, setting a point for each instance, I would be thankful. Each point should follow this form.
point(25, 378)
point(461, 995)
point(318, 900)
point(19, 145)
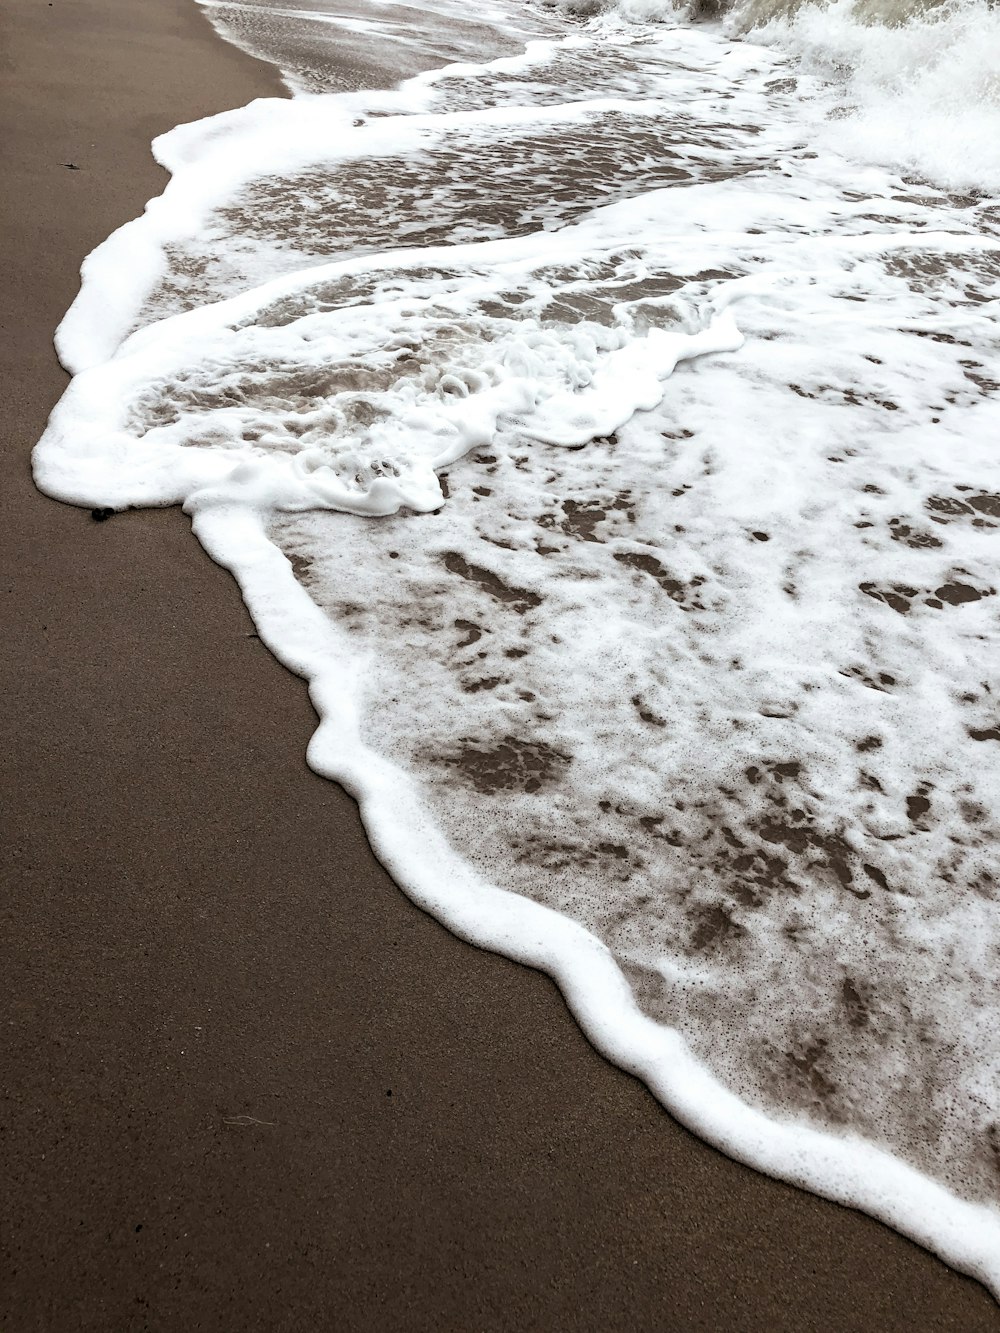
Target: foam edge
point(845, 1170)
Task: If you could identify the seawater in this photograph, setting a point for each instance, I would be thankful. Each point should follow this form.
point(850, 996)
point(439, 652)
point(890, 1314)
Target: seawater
point(604, 420)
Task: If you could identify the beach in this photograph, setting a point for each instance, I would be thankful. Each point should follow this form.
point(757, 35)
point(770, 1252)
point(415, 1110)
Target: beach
point(246, 1084)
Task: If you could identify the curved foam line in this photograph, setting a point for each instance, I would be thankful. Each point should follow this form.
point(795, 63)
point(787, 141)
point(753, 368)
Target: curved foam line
point(847, 1170)
point(206, 166)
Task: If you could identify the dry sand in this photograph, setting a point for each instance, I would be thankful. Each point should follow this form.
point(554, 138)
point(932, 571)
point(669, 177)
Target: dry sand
point(245, 1085)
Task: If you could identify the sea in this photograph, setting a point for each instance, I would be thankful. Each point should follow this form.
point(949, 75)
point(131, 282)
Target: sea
point(599, 406)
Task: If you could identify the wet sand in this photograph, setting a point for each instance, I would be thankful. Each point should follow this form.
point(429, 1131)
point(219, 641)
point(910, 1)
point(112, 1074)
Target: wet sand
point(245, 1085)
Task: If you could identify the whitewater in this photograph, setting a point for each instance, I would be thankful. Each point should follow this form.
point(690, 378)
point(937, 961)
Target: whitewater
point(600, 408)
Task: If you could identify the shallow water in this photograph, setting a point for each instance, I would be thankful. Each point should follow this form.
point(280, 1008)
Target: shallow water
point(608, 431)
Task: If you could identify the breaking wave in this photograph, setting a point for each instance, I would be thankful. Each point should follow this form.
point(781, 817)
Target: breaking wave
point(918, 81)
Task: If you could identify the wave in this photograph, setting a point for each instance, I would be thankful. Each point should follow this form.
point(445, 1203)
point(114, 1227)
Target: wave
point(920, 83)
point(529, 404)
point(916, 82)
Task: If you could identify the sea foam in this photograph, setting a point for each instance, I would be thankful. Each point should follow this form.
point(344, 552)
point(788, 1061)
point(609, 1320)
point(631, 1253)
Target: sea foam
point(919, 79)
point(608, 437)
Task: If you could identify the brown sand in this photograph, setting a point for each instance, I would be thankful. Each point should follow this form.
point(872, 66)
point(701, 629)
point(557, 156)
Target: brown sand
point(194, 930)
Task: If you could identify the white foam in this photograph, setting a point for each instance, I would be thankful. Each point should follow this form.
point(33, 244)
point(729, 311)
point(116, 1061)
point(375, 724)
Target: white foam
point(843, 1168)
point(435, 373)
point(921, 87)
point(913, 84)
point(257, 162)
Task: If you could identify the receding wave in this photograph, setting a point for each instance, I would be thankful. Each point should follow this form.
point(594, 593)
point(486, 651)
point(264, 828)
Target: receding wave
point(608, 432)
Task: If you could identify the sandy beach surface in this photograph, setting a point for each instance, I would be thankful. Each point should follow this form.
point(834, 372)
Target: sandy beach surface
point(245, 1085)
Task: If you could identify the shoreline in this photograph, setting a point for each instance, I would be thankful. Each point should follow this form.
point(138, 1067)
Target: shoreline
point(246, 1083)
